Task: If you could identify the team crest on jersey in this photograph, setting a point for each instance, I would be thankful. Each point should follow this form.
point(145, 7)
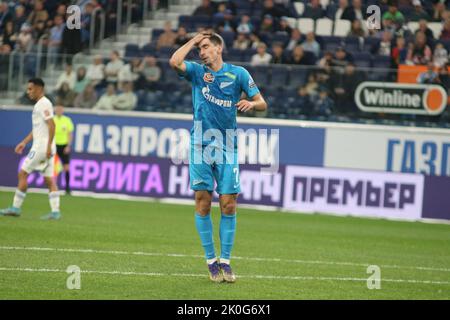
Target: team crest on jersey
point(208, 77)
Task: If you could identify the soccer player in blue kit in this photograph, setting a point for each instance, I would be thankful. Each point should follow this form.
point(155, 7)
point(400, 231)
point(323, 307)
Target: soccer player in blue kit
point(217, 89)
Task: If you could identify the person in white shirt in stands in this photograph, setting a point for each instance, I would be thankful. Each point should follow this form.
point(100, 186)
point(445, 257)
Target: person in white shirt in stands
point(68, 76)
point(261, 57)
point(113, 67)
point(127, 100)
point(42, 154)
point(96, 71)
point(108, 100)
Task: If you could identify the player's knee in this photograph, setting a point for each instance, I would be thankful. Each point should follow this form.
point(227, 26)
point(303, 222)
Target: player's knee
point(229, 207)
point(203, 203)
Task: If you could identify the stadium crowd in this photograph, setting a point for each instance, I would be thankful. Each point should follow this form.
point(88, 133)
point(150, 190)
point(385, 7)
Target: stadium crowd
point(303, 74)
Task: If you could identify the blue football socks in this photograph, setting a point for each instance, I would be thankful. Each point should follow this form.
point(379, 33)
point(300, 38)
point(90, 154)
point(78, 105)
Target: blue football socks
point(205, 230)
point(227, 231)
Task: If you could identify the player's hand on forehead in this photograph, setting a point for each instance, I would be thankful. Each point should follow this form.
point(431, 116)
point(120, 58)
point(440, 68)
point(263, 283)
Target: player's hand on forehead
point(200, 36)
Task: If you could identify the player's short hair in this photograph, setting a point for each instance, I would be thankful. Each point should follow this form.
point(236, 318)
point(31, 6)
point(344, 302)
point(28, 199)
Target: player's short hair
point(217, 39)
point(37, 82)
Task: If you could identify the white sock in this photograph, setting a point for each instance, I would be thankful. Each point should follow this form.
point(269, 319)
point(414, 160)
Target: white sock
point(19, 196)
point(54, 201)
point(227, 261)
point(209, 261)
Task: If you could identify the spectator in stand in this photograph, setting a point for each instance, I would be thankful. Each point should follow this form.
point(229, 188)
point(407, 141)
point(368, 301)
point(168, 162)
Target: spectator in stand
point(340, 60)
point(284, 27)
point(440, 56)
point(323, 105)
point(312, 86)
point(384, 47)
point(295, 39)
point(108, 100)
point(86, 99)
point(261, 57)
point(429, 76)
point(302, 102)
point(444, 79)
point(267, 25)
point(326, 60)
point(358, 10)
point(113, 67)
point(255, 41)
point(269, 8)
point(278, 56)
point(127, 100)
point(357, 29)
point(419, 13)
point(81, 81)
point(5, 51)
point(245, 26)
point(399, 52)
point(151, 72)
point(130, 72)
point(25, 38)
point(167, 38)
point(55, 39)
point(65, 96)
point(68, 76)
point(394, 15)
point(314, 10)
point(439, 10)
point(423, 27)
point(242, 42)
point(205, 9)
point(420, 52)
point(227, 24)
point(95, 72)
point(9, 36)
point(445, 33)
point(344, 11)
point(344, 87)
point(5, 15)
point(38, 14)
point(311, 45)
point(19, 17)
point(182, 37)
point(299, 57)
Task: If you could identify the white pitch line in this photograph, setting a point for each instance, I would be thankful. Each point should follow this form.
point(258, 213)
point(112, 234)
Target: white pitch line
point(141, 253)
point(186, 275)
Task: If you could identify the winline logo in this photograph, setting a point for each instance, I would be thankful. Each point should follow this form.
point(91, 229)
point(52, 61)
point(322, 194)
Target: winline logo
point(424, 99)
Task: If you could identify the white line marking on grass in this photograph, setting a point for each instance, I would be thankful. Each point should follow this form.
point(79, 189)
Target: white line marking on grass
point(186, 275)
point(155, 254)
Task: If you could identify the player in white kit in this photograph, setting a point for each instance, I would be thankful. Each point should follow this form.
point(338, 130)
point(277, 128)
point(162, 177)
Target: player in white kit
point(41, 156)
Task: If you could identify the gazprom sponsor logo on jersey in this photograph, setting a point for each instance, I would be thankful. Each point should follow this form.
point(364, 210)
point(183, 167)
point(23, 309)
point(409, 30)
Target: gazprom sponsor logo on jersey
point(401, 98)
point(211, 98)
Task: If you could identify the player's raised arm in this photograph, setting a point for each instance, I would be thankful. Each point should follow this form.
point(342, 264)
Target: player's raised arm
point(257, 103)
point(51, 135)
point(177, 59)
point(19, 148)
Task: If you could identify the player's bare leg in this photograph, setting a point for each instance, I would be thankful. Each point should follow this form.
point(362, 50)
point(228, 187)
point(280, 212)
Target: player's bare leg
point(19, 196)
point(53, 197)
point(228, 203)
point(204, 227)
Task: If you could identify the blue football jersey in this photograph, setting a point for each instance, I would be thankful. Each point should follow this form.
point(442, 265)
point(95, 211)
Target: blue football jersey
point(215, 94)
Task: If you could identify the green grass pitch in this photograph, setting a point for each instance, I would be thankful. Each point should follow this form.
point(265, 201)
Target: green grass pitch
point(145, 250)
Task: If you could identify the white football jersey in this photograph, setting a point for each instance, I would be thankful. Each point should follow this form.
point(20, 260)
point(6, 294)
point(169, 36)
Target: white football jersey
point(42, 111)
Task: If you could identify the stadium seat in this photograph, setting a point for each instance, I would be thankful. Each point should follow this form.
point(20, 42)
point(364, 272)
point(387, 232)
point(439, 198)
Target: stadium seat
point(132, 50)
point(300, 8)
point(297, 77)
point(324, 27)
point(413, 26)
point(156, 33)
point(261, 75)
point(228, 37)
point(381, 61)
point(292, 22)
point(149, 50)
point(436, 27)
point(341, 28)
point(362, 59)
point(305, 25)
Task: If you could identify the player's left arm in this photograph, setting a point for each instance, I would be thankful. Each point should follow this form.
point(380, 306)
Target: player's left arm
point(68, 148)
point(257, 103)
point(51, 134)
